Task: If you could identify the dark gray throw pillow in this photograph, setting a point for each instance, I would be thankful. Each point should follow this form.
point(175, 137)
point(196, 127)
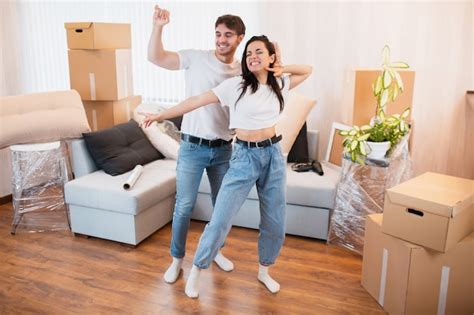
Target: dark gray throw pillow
point(119, 149)
point(299, 150)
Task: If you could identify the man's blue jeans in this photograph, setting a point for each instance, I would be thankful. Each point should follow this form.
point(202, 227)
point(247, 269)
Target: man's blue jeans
point(192, 160)
point(266, 168)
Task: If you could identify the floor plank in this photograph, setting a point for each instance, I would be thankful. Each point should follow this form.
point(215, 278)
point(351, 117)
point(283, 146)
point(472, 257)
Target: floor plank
point(56, 272)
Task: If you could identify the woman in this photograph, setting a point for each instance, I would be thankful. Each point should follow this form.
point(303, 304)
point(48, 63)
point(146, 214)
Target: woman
point(255, 101)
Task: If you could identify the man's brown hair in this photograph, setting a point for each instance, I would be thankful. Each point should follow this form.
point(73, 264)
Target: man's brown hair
point(232, 22)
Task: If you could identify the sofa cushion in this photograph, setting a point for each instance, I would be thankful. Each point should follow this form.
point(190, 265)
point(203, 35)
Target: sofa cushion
point(299, 150)
point(103, 191)
point(41, 117)
point(303, 189)
point(293, 118)
point(119, 149)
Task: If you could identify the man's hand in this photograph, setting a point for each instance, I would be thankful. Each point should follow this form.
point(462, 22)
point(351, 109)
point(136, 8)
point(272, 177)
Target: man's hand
point(149, 119)
point(161, 17)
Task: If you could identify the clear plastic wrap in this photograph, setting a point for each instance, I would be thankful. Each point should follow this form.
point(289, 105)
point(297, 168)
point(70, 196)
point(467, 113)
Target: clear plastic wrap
point(39, 174)
point(361, 192)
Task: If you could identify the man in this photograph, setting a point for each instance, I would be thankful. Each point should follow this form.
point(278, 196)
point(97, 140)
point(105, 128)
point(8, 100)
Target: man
point(206, 138)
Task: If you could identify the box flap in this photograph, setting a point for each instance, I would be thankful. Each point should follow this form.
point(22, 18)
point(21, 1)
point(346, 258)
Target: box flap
point(434, 193)
point(77, 25)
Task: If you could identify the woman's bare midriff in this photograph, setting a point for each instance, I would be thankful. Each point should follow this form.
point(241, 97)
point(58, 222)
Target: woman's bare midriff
point(255, 135)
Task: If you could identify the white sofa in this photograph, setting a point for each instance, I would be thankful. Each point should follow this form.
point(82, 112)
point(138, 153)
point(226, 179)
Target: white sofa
point(99, 206)
point(310, 198)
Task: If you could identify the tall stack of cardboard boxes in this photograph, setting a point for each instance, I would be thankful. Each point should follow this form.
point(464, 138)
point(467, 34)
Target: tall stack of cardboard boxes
point(100, 69)
point(419, 254)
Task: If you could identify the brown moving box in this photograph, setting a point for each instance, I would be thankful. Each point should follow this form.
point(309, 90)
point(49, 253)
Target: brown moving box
point(408, 279)
point(105, 114)
point(92, 35)
point(101, 75)
point(432, 210)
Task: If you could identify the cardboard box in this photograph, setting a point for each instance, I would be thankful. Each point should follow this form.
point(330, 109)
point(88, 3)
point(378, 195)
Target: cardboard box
point(101, 75)
point(105, 114)
point(408, 279)
point(432, 210)
point(91, 35)
point(364, 102)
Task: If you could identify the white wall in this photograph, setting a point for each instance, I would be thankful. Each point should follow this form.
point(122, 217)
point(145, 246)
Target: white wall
point(435, 38)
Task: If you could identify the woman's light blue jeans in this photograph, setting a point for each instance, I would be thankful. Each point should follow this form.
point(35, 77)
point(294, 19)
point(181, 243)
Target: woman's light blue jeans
point(265, 168)
point(192, 160)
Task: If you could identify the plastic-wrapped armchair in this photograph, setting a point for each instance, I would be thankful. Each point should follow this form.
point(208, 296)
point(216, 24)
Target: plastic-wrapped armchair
point(39, 174)
point(32, 119)
point(361, 192)
point(37, 118)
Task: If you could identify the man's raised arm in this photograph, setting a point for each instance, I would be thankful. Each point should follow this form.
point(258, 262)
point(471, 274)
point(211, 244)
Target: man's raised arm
point(156, 53)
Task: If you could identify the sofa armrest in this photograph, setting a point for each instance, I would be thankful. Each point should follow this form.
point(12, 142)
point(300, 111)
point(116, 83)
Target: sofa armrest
point(313, 142)
point(82, 163)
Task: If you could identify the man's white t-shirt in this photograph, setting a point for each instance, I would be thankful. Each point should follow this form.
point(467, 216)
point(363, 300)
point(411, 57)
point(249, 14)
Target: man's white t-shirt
point(254, 110)
point(203, 72)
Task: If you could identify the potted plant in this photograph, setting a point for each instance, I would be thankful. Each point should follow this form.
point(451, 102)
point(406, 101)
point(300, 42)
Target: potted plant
point(383, 133)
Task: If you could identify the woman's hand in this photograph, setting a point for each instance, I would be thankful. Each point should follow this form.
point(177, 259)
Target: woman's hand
point(149, 119)
point(277, 70)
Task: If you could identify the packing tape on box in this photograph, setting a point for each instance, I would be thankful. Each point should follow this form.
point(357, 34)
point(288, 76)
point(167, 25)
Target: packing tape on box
point(127, 109)
point(125, 79)
point(383, 277)
point(443, 290)
point(92, 85)
point(132, 179)
point(443, 286)
point(94, 120)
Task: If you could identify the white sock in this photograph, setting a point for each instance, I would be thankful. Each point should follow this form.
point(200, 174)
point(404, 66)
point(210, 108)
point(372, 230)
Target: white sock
point(192, 285)
point(223, 262)
point(268, 281)
point(171, 275)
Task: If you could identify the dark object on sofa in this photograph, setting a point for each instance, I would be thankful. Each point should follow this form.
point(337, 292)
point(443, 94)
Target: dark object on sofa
point(119, 149)
point(177, 121)
point(314, 166)
point(299, 150)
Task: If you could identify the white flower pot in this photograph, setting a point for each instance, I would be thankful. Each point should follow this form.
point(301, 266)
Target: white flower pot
point(378, 150)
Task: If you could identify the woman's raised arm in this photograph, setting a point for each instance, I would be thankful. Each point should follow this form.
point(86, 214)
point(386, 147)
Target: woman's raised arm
point(184, 107)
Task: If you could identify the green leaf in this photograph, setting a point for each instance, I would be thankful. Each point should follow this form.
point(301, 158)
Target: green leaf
point(362, 148)
point(360, 160)
point(382, 116)
point(395, 93)
point(399, 80)
point(343, 133)
point(392, 73)
point(378, 85)
point(364, 137)
point(354, 145)
point(387, 79)
point(399, 65)
point(386, 55)
point(365, 127)
point(352, 132)
point(353, 156)
point(405, 113)
point(384, 98)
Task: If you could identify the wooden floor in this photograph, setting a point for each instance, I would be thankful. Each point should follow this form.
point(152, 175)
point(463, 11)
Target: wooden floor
point(55, 272)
